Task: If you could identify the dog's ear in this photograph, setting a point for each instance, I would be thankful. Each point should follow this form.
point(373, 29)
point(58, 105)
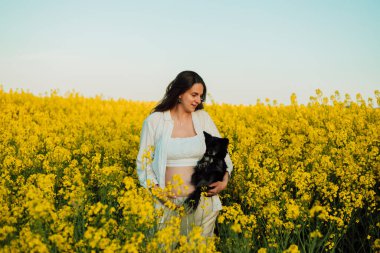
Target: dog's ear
point(207, 135)
point(226, 141)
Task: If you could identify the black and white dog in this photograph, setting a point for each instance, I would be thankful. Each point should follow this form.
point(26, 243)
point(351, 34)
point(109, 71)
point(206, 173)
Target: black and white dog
point(211, 168)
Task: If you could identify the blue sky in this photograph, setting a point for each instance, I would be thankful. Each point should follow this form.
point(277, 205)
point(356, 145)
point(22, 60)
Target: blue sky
point(244, 50)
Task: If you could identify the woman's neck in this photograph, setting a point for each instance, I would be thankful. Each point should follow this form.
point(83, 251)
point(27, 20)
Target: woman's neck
point(179, 113)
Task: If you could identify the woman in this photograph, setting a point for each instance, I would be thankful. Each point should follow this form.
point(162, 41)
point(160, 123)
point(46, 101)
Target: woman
point(175, 131)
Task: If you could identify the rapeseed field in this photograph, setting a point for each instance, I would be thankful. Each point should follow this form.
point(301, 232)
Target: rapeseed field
point(305, 178)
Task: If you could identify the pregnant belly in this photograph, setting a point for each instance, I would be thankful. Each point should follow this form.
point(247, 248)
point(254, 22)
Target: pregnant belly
point(178, 180)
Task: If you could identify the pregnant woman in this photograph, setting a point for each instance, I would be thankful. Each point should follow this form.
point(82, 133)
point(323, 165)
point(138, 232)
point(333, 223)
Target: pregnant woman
point(174, 130)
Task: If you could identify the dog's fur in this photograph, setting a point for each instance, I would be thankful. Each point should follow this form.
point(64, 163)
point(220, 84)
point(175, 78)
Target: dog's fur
point(211, 168)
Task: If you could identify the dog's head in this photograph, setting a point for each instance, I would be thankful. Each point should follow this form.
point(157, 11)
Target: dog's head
point(215, 146)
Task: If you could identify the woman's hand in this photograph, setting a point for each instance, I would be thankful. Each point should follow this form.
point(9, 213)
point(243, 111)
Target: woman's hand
point(218, 186)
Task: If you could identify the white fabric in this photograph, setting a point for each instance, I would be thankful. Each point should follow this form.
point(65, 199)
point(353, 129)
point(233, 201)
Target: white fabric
point(185, 151)
point(156, 131)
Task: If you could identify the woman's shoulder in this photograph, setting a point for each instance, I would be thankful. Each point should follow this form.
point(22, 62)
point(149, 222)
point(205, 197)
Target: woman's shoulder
point(202, 114)
point(155, 115)
point(203, 117)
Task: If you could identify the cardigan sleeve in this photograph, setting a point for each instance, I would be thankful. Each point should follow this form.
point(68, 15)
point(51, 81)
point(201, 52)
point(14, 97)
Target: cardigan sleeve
point(211, 128)
point(145, 156)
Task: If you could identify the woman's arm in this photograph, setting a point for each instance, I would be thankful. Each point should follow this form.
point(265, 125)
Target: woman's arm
point(211, 128)
point(145, 156)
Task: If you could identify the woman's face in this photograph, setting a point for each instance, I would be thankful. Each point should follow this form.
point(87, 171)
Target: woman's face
point(191, 98)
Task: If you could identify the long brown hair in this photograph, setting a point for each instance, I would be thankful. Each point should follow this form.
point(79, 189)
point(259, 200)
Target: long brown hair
point(184, 81)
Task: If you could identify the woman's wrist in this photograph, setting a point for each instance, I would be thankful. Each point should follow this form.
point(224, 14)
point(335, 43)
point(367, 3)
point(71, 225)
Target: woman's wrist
point(226, 177)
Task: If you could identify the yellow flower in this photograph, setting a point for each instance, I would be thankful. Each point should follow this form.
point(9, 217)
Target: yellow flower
point(316, 233)
point(236, 228)
point(262, 250)
point(292, 249)
point(376, 244)
point(292, 211)
point(68, 172)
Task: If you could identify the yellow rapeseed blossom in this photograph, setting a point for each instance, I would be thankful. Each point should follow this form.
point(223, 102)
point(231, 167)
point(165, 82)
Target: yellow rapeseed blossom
point(376, 245)
point(68, 177)
point(292, 249)
point(315, 234)
point(292, 210)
